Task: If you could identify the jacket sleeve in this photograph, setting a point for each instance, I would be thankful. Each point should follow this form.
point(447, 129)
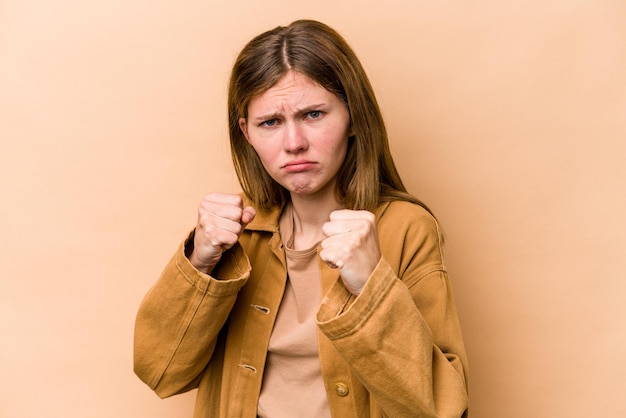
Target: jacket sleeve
point(401, 336)
point(179, 320)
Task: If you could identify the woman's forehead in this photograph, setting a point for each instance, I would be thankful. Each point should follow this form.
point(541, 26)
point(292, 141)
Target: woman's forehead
point(293, 90)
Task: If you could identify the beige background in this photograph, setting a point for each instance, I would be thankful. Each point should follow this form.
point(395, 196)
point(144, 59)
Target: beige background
point(508, 118)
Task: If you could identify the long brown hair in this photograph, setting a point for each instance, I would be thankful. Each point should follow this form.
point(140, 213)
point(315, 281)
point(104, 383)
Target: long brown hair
point(368, 175)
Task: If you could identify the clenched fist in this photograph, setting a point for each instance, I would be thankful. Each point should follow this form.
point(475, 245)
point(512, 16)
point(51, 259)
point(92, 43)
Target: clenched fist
point(351, 245)
point(221, 219)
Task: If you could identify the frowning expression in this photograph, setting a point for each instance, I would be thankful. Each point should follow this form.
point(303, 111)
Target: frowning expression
point(300, 131)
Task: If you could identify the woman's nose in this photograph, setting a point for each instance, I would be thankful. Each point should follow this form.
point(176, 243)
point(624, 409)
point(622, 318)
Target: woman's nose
point(295, 138)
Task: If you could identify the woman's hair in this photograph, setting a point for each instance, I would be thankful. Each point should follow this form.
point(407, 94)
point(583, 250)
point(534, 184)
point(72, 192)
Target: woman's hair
point(368, 175)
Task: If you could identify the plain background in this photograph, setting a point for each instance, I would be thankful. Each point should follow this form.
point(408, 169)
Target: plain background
point(507, 117)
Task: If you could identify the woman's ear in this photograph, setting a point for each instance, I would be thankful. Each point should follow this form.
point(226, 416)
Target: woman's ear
point(244, 128)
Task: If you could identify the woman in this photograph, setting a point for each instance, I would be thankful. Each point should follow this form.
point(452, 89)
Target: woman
point(320, 291)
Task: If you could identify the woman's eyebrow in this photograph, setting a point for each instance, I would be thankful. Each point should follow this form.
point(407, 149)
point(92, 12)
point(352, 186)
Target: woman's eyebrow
point(298, 111)
point(268, 116)
point(313, 107)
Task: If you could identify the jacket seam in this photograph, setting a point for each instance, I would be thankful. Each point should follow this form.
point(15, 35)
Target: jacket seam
point(424, 275)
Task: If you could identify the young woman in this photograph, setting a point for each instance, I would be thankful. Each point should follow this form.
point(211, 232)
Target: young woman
point(321, 290)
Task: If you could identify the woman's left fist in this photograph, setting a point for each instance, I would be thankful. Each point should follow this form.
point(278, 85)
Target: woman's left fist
point(351, 245)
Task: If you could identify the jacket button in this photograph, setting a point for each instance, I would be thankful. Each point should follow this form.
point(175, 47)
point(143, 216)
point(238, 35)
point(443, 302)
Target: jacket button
point(342, 389)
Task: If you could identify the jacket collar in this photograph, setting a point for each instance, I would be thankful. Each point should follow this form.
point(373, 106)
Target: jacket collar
point(265, 220)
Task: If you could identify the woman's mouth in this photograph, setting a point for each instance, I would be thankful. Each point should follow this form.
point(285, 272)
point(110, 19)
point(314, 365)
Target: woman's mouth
point(298, 166)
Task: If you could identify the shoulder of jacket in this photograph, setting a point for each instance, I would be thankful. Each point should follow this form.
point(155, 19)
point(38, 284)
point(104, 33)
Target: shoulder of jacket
point(407, 219)
point(409, 231)
point(402, 210)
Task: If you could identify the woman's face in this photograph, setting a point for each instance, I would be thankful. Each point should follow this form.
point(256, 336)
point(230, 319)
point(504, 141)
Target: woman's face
point(300, 131)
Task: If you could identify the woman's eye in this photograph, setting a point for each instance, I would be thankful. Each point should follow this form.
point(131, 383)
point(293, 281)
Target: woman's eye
point(269, 123)
point(315, 114)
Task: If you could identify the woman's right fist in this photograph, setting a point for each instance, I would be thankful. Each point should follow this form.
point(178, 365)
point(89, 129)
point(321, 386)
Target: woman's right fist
point(221, 219)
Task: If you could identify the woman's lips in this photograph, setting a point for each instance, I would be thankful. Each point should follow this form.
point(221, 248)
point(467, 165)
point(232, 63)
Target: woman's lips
point(298, 166)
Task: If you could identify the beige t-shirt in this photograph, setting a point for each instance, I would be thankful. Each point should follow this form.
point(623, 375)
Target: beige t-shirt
point(293, 386)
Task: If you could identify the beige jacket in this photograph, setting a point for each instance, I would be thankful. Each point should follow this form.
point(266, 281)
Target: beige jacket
point(396, 350)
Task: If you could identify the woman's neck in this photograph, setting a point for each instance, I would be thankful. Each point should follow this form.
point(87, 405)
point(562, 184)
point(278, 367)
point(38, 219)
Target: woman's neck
point(309, 215)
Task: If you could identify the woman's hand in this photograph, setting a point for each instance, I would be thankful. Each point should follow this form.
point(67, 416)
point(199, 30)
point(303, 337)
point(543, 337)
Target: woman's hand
point(351, 246)
point(221, 220)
